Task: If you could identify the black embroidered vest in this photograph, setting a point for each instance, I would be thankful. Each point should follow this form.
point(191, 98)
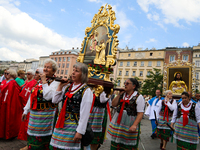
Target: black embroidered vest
point(130, 108)
point(97, 103)
point(170, 113)
point(74, 103)
point(43, 104)
point(191, 111)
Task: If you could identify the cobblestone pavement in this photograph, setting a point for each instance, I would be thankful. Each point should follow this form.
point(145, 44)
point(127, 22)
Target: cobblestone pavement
point(146, 142)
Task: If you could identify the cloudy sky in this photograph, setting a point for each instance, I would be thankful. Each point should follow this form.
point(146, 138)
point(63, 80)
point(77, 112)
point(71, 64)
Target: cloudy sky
point(34, 28)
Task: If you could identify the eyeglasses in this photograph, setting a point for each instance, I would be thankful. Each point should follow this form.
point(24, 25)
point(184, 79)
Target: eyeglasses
point(28, 74)
point(126, 83)
point(37, 72)
point(6, 73)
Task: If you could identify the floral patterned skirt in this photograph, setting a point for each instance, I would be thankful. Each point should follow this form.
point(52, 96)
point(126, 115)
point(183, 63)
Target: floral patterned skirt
point(38, 143)
point(163, 134)
point(119, 146)
point(181, 145)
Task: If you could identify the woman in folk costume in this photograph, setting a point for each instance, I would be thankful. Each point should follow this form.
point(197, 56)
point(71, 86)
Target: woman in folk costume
point(24, 95)
point(72, 121)
point(42, 110)
point(186, 117)
point(164, 113)
point(10, 107)
point(124, 128)
point(98, 119)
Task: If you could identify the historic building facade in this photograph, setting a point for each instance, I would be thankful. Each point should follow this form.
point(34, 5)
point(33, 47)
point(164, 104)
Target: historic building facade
point(65, 60)
point(133, 63)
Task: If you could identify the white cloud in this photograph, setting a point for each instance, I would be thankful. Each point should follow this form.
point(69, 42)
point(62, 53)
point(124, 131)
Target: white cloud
point(17, 3)
point(185, 44)
point(151, 40)
point(7, 54)
point(50, 0)
point(173, 10)
point(63, 10)
point(20, 34)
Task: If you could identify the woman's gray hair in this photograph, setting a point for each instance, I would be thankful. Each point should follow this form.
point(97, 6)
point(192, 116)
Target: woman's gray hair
point(84, 69)
point(31, 71)
point(12, 73)
point(53, 63)
point(166, 92)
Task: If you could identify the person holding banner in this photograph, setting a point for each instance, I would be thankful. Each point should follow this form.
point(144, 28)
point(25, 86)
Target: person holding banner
point(150, 111)
point(10, 107)
point(124, 128)
point(98, 119)
point(164, 113)
point(42, 110)
point(186, 117)
point(73, 118)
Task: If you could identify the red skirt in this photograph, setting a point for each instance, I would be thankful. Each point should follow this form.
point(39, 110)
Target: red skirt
point(23, 129)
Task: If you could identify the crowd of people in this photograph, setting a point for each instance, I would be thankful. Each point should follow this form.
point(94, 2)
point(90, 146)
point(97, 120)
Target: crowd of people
point(56, 115)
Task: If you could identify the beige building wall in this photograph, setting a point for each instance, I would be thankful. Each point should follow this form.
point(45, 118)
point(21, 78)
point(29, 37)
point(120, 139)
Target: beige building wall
point(41, 61)
point(196, 60)
point(137, 64)
point(65, 60)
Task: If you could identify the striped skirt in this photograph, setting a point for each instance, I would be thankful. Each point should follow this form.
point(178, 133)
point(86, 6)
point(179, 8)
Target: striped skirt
point(119, 133)
point(96, 119)
point(162, 123)
point(188, 133)
point(41, 122)
point(62, 138)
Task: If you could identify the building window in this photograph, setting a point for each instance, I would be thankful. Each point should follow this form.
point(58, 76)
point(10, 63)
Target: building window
point(118, 83)
point(60, 58)
point(199, 55)
point(63, 65)
point(64, 58)
point(128, 63)
point(150, 63)
point(141, 73)
point(142, 63)
point(66, 71)
point(135, 64)
point(197, 63)
point(120, 73)
point(58, 65)
point(151, 54)
point(56, 59)
point(129, 55)
point(58, 71)
point(171, 58)
point(62, 71)
point(67, 65)
point(196, 55)
point(121, 64)
point(185, 57)
point(158, 63)
point(197, 76)
point(148, 73)
point(68, 58)
point(127, 73)
point(51, 58)
point(197, 87)
point(133, 74)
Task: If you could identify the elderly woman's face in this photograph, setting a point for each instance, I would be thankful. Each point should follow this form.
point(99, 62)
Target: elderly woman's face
point(48, 70)
point(169, 95)
point(129, 86)
point(76, 75)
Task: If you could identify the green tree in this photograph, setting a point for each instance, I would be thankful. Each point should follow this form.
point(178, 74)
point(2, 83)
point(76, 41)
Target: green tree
point(153, 82)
